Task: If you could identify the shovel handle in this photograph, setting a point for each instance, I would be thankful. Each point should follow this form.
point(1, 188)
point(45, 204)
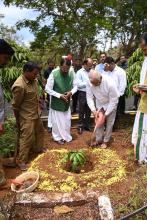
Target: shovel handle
point(95, 128)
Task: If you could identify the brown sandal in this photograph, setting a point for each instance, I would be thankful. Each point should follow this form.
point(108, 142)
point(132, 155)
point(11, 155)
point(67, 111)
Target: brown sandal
point(95, 144)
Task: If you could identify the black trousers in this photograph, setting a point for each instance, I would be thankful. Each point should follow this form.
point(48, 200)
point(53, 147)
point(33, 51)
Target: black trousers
point(136, 100)
point(47, 101)
point(74, 102)
point(121, 105)
point(120, 109)
point(84, 110)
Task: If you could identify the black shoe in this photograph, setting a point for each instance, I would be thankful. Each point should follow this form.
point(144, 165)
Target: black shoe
point(134, 108)
point(41, 151)
point(87, 129)
point(74, 112)
point(61, 142)
point(80, 130)
point(22, 166)
point(49, 130)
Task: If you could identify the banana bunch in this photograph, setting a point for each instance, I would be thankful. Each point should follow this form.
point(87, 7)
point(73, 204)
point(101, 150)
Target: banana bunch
point(133, 70)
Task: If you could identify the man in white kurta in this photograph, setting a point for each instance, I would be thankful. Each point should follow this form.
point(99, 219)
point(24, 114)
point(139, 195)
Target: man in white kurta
point(105, 92)
point(119, 76)
point(61, 85)
point(139, 135)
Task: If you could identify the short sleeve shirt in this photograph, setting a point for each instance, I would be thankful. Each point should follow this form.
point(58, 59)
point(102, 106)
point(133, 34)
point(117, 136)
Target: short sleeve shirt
point(25, 98)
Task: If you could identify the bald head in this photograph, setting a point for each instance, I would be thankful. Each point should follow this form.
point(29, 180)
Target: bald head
point(90, 60)
point(88, 64)
point(95, 77)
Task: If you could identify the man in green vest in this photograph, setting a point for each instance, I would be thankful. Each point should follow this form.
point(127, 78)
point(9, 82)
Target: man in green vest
point(139, 135)
point(61, 85)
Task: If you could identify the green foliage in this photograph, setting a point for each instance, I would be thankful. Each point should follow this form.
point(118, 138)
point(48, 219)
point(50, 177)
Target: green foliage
point(72, 26)
point(76, 158)
point(10, 73)
point(9, 33)
point(8, 139)
point(133, 70)
point(128, 21)
point(77, 25)
point(138, 217)
point(6, 32)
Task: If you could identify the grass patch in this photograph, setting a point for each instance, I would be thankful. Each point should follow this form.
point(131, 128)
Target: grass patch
point(133, 194)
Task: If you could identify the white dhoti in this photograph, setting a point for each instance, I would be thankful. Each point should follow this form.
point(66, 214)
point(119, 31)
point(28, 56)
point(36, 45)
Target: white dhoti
point(139, 137)
point(50, 118)
point(61, 124)
point(50, 115)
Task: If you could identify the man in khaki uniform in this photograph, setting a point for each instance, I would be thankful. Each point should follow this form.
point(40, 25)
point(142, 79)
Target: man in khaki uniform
point(5, 54)
point(26, 110)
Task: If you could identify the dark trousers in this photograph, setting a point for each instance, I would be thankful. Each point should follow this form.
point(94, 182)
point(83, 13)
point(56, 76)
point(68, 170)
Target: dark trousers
point(136, 101)
point(74, 102)
point(47, 101)
point(121, 105)
point(84, 110)
point(120, 109)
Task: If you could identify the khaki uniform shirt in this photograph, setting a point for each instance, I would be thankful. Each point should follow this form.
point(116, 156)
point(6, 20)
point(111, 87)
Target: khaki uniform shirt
point(25, 98)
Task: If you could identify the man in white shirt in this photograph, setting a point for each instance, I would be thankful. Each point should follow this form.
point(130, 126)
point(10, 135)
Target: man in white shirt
point(105, 92)
point(82, 77)
point(119, 76)
point(100, 67)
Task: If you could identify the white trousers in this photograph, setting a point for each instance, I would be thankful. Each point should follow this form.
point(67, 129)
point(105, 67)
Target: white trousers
point(61, 124)
point(50, 118)
point(50, 114)
point(104, 136)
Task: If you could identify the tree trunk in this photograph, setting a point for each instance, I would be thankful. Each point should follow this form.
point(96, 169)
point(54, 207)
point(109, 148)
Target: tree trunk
point(82, 48)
